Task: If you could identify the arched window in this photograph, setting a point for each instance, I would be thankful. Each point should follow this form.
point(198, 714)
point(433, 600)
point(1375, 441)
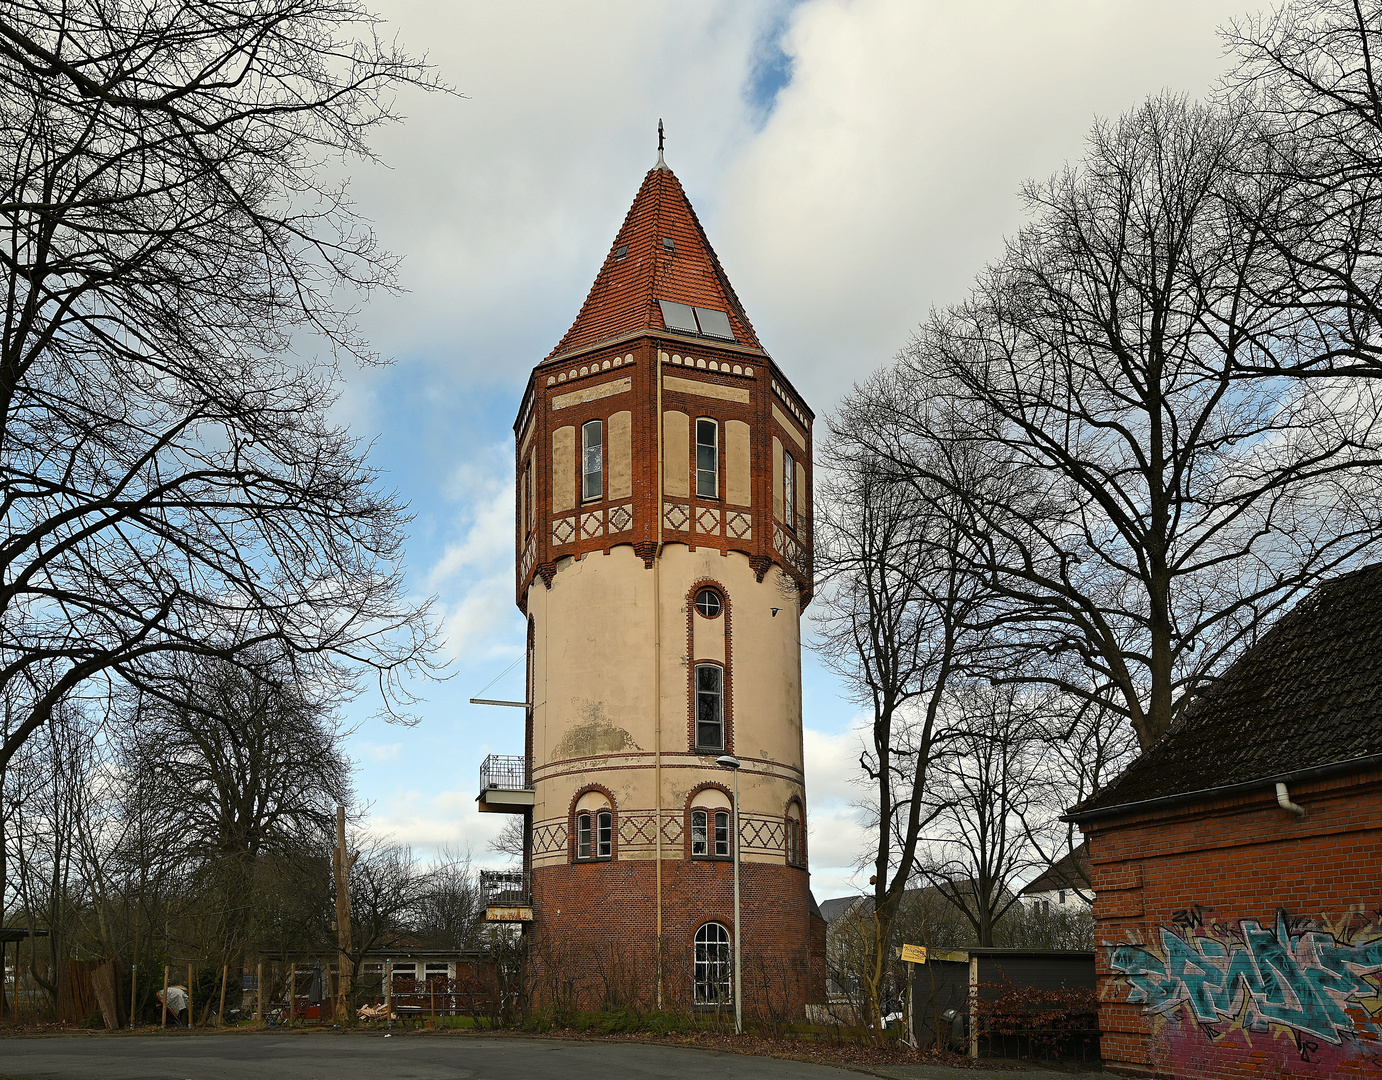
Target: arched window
point(713, 972)
point(594, 835)
point(584, 836)
point(710, 707)
point(707, 459)
point(704, 842)
point(795, 838)
point(592, 460)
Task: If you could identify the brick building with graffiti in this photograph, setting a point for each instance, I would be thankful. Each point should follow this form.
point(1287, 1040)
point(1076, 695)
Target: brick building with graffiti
point(1237, 864)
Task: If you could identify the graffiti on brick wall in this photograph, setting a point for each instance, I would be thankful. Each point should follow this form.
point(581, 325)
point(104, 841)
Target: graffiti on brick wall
point(1324, 988)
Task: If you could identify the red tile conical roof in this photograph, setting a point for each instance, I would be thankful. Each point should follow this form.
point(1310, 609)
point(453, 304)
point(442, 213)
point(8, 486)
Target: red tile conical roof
point(624, 298)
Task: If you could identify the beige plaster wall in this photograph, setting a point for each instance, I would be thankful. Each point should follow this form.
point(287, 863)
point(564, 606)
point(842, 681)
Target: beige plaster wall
point(595, 678)
point(676, 453)
point(621, 455)
point(738, 479)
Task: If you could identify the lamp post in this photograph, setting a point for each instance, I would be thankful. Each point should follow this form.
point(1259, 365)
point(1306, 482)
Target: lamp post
point(731, 763)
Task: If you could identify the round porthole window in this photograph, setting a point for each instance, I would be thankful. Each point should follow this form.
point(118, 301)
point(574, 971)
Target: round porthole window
point(708, 603)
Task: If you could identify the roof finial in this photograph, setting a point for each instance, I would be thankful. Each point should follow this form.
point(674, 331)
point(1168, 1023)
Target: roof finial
point(661, 162)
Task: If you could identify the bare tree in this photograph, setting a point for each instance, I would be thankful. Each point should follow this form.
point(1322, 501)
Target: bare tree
point(450, 910)
point(981, 794)
point(1307, 84)
point(170, 232)
point(510, 838)
point(383, 893)
point(246, 765)
point(1138, 512)
point(893, 618)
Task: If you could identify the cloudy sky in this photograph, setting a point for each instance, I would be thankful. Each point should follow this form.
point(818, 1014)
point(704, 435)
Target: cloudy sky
point(854, 162)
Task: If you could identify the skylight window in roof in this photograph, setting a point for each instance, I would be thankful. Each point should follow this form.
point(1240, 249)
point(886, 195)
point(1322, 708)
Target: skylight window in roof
point(668, 244)
point(714, 323)
point(679, 317)
point(620, 252)
point(704, 321)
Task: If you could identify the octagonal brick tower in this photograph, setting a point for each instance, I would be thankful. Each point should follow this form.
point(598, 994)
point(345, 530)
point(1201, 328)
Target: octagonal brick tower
point(663, 561)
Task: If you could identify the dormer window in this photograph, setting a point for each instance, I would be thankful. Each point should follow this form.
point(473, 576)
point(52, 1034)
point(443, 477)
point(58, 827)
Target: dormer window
point(620, 252)
point(668, 244)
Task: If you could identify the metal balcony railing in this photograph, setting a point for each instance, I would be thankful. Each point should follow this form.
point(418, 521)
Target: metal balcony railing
point(508, 888)
point(507, 772)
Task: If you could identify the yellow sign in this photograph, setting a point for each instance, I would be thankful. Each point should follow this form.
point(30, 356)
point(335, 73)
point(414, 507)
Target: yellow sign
point(508, 913)
point(914, 954)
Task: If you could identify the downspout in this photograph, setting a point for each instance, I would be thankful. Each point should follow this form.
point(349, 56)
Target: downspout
point(657, 675)
point(1283, 800)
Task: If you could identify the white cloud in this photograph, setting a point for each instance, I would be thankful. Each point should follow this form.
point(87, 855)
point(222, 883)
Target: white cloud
point(376, 752)
point(473, 577)
point(887, 175)
point(835, 831)
point(427, 823)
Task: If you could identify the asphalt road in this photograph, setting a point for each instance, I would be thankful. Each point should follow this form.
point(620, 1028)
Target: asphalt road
point(327, 1056)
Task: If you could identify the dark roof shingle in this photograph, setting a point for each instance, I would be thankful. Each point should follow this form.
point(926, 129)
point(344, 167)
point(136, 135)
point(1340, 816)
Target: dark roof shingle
point(1307, 695)
point(624, 296)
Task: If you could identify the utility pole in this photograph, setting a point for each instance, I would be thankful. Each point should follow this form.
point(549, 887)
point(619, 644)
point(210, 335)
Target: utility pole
point(730, 762)
point(340, 865)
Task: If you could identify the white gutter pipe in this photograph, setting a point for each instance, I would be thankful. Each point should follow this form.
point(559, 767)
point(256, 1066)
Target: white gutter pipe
point(1283, 800)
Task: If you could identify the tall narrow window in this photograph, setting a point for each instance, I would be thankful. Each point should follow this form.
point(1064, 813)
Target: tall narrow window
point(604, 834)
point(699, 841)
point(722, 833)
point(707, 459)
point(592, 460)
point(710, 707)
point(528, 498)
point(789, 491)
point(711, 966)
point(583, 836)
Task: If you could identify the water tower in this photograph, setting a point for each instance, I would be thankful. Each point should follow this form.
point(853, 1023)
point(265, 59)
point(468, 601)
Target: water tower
point(663, 547)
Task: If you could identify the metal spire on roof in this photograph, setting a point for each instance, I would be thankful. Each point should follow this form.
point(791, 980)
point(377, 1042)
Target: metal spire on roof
point(661, 162)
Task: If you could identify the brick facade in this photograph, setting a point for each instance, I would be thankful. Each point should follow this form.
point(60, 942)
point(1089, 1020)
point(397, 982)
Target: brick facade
point(1238, 940)
point(594, 947)
point(772, 410)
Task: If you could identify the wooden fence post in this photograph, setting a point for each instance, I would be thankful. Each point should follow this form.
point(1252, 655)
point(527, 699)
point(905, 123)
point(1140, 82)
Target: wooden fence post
point(221, 1015)
point(189, 996)
point(164, 1021)
point(259, 994)
point(292, 991)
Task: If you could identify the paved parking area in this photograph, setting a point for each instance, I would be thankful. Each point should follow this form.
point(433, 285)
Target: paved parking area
point(371, 1056)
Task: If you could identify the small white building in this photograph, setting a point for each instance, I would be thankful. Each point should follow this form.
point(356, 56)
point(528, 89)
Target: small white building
point(1062, 887)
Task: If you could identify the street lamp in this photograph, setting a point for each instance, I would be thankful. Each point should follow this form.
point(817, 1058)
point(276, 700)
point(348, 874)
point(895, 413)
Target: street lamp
point(730, 762)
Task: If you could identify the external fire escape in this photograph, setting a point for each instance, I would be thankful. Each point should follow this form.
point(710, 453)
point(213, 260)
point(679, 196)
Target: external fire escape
point(506, 788)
